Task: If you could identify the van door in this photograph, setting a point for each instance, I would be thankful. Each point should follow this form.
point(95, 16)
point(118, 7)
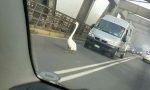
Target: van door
point(124, 41)
point(129, 35)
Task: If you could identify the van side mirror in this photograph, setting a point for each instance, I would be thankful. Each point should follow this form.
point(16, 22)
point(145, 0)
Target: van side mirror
point(124, 39)
point(92, 26)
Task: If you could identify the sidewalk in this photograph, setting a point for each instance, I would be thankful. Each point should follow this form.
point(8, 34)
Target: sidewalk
point(53, 33)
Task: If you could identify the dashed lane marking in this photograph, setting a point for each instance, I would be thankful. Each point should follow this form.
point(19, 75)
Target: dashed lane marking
point(70, 77)
point(87, 66)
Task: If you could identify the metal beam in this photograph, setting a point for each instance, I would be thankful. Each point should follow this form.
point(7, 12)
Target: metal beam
point(111, 5)
point(148, 1)
point(139, 1)
point(136, 9)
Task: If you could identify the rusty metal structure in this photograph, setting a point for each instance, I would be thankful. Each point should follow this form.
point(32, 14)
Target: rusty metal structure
point(46, 18)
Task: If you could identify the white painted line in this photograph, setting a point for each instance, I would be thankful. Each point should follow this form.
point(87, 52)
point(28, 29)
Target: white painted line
point(70, 77)
point(87, 66)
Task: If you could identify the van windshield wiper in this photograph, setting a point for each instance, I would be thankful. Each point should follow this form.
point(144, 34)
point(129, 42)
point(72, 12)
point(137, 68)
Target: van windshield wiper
point(109, 32)
point(106, 31)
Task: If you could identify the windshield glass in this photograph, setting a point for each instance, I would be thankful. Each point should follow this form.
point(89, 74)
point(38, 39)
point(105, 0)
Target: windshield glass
point(65, 53)
point(110, 28)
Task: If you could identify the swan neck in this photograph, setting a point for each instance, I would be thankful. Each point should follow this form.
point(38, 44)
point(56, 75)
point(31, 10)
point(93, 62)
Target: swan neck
point(75, 29)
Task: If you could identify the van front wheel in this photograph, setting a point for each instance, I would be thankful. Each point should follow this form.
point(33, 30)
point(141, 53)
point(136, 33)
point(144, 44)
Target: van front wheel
point(122, 55)
point(113, 54)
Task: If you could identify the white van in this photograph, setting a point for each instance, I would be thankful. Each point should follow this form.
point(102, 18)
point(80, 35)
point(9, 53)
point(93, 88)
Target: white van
point(110, 34)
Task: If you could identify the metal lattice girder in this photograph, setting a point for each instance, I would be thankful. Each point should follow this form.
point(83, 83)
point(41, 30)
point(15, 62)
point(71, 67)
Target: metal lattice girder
point(143, 1)
point(148, 1)
point(136, 9)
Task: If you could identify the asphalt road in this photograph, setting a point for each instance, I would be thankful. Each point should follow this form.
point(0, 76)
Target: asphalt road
point(87, 69)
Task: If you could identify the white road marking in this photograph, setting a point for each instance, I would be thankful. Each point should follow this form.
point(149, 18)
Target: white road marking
point(87, 66)
point(70, 77)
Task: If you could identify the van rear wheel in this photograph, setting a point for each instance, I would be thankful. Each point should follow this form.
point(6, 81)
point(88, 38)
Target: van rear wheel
point(86, 44)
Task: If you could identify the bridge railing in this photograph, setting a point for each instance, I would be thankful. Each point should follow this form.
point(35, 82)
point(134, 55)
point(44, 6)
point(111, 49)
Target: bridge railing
point(46, 18)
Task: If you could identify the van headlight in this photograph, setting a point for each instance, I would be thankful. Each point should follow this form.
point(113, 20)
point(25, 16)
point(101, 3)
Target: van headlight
point(91, 34)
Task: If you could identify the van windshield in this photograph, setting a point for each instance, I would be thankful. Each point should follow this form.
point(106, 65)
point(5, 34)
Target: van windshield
point(110, 28)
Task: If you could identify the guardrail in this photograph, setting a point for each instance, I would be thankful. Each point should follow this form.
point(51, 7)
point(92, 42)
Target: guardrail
point(46, 18)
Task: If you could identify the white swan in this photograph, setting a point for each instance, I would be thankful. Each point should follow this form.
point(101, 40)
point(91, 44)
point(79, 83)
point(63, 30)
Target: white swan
point(71, 44)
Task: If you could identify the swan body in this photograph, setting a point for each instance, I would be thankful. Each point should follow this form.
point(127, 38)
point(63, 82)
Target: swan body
point(71, 43)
